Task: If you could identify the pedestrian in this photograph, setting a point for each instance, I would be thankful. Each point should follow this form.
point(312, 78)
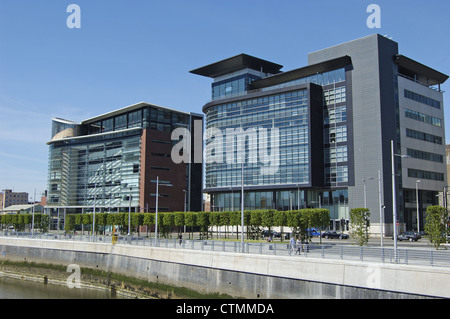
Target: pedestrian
point(292, 245)
point(180, 237)
point(299, 246)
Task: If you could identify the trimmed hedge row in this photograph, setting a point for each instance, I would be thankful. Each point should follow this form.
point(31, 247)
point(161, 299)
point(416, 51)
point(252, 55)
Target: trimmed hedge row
point(298, 220)
point(41, 221)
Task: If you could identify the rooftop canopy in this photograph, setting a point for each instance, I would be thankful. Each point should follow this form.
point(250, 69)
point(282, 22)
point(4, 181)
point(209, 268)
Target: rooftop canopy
point(302, 72)
point(419, 71)
point(236, 63)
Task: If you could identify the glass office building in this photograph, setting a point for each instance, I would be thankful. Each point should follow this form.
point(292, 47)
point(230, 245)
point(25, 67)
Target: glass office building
point(111, 162)
point(333, 120)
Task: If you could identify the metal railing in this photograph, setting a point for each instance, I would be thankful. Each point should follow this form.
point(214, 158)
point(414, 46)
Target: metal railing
point(424, 257)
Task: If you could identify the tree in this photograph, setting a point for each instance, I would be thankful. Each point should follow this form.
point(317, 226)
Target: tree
point(267, 219)
point(168, 221)
point(255, 222)
point(280, 219)
point(149, 220)
point(190, 220)
point(435, 225)
point(224, 220)
point(204, 223)
point(178, 220)
point(214, 219)
point(359, 225)
point(70, 223)
point(323, 220)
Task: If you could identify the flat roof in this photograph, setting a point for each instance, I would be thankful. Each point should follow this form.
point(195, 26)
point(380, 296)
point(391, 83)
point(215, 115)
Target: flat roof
point(302, 72)
point(132, 108)
point(236, 63)
point(58, 119)
point(434, 77)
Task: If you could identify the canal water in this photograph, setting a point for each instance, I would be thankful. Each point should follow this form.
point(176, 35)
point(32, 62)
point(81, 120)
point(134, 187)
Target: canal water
point(11, 288)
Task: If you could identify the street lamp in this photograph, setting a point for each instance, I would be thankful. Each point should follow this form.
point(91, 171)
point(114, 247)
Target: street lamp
point(156, 209)
point(417, 204)
point(185, 192)
point(242, 206)
point(365, 194)
point(129, 213)
point(381, 206)
point(32, 218)
point(93, 218)
point(394, 199)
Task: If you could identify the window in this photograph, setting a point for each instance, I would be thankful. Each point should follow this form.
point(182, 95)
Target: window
point(108, 125)
point(423, 117)
point(336, 134)
point(425, 155)
point(120, 122)
point(422, 99)
point(423, 136)
point(135, 118)
point(334, 96)
point(415, 173)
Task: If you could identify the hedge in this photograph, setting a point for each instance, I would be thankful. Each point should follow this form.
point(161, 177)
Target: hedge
point(18, 221)
point(299, 220)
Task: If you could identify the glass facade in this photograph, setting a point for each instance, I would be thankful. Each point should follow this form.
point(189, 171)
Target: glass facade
point(101, 166)
point(147, 117)
point(334, 200)
point(95, 171)
point(287, 112)
point(233, 86)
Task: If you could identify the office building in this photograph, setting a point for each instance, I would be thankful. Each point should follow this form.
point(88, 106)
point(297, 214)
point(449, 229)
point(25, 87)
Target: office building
point(320, 135)
point(9, 198)
point(112, 163)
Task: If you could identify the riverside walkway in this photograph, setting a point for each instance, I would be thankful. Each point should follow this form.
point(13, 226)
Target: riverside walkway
point(338, 250)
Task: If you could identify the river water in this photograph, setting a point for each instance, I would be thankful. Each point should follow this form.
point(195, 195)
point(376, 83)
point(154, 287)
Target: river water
point(11, 288)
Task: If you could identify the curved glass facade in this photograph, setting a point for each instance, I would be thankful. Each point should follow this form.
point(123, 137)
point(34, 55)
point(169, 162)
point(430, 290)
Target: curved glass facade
point(95, 171)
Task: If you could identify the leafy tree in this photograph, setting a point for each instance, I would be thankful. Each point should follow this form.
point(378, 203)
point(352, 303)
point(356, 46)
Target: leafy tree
point(214, 219)
point(359, 225)
point(255, 223)
point(167, 222)
point(190, 219)
point(280, 219)
point(179, 220)
point(267, 219)
point(435, 225)
point(148, 220)
point(224, 220)
point(70, 223)
point(203, 222)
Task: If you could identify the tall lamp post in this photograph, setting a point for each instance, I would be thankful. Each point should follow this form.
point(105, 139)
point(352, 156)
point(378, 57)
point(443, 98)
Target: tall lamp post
point(242, 206)
point(365, 193)
point(417, 204)
point(156, 209)
point(381, 206)
point(32, 218)
point(394, 199)
point(129, 213)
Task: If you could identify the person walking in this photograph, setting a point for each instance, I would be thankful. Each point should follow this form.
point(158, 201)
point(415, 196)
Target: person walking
point(299, 246)
point(292, 245)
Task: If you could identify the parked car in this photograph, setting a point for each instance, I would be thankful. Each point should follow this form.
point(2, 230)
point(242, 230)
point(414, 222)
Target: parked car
point(411, 236)
point(313, 232)
point(273, 234)
point(334, 234)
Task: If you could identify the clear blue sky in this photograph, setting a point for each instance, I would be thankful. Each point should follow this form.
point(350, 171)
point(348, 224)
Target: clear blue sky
point(142, 50)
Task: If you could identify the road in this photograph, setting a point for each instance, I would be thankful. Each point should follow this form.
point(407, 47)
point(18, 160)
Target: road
point(422, 243)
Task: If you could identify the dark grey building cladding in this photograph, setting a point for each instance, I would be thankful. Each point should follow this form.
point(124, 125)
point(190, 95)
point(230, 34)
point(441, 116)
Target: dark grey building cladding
point(363, 109)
